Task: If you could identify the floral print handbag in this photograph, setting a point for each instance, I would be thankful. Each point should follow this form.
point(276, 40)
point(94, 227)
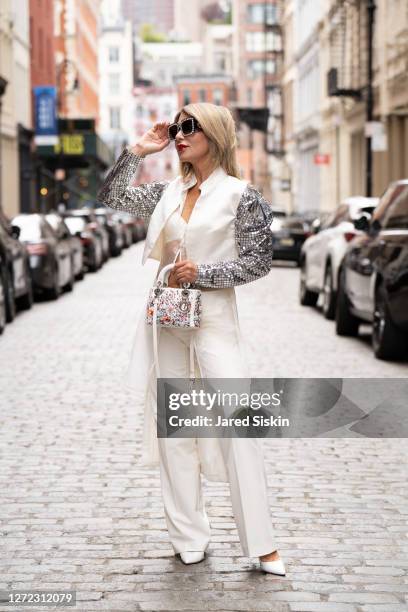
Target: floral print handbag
point(172, 306)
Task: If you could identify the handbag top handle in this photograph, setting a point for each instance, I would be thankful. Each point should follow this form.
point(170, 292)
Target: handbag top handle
point(163, 276)
point(164, 273)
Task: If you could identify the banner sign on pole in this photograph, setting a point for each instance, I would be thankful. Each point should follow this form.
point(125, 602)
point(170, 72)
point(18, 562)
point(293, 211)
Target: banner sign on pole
point(46, 131)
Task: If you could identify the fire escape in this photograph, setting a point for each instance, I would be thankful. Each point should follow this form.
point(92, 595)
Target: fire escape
point(273, 78)
point(348, 50)
point(269, 118)
point(351, 24)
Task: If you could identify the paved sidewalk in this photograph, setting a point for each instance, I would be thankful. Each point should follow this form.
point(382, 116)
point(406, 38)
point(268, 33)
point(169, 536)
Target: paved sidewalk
point(78, 512)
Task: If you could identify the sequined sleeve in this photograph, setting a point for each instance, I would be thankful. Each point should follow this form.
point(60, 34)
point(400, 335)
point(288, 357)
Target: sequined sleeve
point(116, 192)
point(253, 238)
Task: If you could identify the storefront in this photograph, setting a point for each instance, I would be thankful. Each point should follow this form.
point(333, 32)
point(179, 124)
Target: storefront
point(75, 166)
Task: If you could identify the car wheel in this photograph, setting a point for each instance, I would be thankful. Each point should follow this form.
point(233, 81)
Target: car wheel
point(93, 263)
point(329, 296)
point(70, 284)
point(2, 306)
point(346, 323)
point(388, 341)
point(26, 301)
point(306, 297)
point(9, 295)
point(80, 275)
point(55, 291)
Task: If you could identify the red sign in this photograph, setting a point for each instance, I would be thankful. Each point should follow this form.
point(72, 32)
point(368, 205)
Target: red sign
point(322, 159)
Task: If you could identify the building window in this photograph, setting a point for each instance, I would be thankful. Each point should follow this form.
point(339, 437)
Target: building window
point(114, 117)
point(257, 41)
point(186, 96)
point(217, 96)
point(256, 68)
point(113, 54)
point(114, 83)
point(202, 94)
point(263, 12)
point(220, 62)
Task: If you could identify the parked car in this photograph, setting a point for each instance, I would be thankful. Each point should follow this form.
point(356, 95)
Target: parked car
point(374, 276)
point(136, 226)
point(288, 239)
point(2, 297)
point(50, 255)
point(62, 230)
point(16, 275)
point(322, 253)
point(278, 216)
point(139, 229)
point(114, 230)
point(125, 228)
point(91, 240)
point(94, 224)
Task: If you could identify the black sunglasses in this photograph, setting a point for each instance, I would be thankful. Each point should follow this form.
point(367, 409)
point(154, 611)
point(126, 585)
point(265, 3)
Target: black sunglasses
point(187, 126)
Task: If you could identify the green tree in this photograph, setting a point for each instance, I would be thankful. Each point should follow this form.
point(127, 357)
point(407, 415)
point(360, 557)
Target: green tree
point(148, 34)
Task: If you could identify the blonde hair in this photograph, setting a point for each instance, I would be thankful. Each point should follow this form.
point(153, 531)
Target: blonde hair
point(218, 125)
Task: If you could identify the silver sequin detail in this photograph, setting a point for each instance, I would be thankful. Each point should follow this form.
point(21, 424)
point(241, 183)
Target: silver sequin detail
point(253, 235)
point(116, 193)
point(253, 238)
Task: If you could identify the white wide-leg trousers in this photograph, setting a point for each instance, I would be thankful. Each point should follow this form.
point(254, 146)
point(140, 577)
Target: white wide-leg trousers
point(187, 521)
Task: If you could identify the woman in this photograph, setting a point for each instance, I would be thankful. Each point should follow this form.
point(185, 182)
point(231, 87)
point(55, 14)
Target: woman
point(216, 228)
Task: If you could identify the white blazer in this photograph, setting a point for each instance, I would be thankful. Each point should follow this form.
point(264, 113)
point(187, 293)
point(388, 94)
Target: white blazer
point(228, 235)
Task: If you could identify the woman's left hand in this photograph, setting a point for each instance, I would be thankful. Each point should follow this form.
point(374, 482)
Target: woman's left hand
point(185, 271)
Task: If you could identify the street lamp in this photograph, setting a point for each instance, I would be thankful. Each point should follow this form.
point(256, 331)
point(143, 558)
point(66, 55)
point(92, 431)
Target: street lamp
point(61, 67)
point(371, 8)
point(3, 86)
point(60, 171)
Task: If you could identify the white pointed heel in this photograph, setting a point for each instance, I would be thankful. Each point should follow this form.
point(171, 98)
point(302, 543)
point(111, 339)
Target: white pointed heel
point(273, 567)
point(189, 557)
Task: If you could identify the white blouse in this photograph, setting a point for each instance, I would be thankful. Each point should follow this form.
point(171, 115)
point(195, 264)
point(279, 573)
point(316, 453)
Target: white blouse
point(174, 232)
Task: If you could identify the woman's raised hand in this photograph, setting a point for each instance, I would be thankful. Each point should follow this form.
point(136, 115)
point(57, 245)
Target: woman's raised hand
point(154, 140)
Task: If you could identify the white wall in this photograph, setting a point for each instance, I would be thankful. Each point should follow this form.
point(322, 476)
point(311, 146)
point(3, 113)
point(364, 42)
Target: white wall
point(15, 67)
point(307, 103)
point(162, 61)
point(116, 85)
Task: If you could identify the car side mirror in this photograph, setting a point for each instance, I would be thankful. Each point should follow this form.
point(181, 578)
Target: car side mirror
point(362, 223)
point(316, 226)
point(15, 231)
point(375, 226)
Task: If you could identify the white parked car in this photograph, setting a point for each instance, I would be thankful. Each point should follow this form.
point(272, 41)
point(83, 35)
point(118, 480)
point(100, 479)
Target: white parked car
point(323, 252)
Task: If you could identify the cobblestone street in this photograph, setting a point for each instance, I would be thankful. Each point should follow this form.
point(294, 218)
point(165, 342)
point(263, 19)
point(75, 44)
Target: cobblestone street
point(79, 512)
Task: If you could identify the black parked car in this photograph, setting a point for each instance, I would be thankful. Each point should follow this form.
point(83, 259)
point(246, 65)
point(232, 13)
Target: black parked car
point(16, 276)
point(50, 255)
point(114, 230)
point(374, 276)
point(91, 240)
point(2, 297)
point(289, 237)
point(77, 252)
